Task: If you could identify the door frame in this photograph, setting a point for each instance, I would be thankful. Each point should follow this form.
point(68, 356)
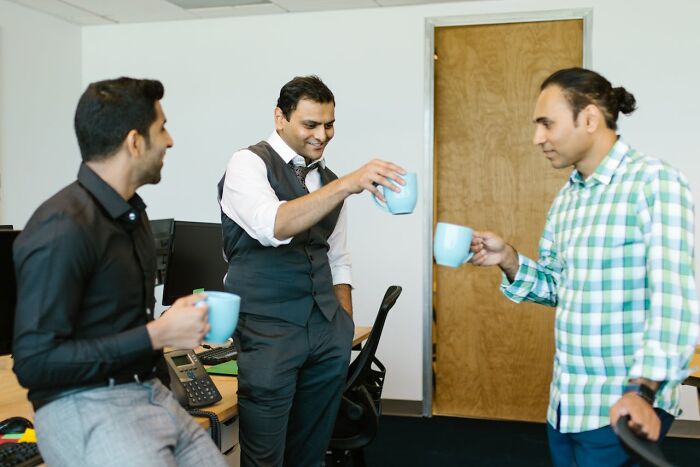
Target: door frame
point(585, 14)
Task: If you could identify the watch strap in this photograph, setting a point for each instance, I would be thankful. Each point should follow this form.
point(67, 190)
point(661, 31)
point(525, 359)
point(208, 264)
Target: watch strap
point(642, 390)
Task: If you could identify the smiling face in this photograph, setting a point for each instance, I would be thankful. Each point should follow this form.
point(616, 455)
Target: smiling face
point(309, 128)
point(564, 140)
point(154, 149)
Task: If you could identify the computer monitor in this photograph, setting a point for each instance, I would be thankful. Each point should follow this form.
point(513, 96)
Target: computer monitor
point(8, 290)
point(196, 260)
point(162, 233)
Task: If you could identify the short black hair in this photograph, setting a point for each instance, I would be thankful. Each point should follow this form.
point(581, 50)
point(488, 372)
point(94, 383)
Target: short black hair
point(108, 110)
point(583, 87)
point(303, 87)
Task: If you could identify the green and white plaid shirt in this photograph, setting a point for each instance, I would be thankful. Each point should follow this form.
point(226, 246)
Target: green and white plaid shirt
point(616, 259)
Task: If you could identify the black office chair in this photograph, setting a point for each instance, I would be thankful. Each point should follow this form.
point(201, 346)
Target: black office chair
point(645, 451)
point(360, 408)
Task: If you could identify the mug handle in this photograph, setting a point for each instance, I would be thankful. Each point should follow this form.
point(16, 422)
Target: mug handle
point(469, 256)
point(379, 203)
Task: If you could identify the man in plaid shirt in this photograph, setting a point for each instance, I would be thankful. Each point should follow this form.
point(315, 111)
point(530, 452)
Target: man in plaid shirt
point(616, 260)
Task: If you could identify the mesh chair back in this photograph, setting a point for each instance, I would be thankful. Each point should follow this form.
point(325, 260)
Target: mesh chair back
point(358, 417)
point(361, 366)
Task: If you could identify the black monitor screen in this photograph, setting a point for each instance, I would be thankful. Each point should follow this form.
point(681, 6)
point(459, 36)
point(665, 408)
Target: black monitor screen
point(8, 290)
point(196, 260)
point(162, 232)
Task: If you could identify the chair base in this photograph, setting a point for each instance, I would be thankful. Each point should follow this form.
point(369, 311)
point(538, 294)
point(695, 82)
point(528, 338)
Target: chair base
point(345, 458)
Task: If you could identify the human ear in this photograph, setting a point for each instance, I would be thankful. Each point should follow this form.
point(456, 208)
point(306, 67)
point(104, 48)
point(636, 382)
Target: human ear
point(279, 118)
point(133, 142)
point(592, 117)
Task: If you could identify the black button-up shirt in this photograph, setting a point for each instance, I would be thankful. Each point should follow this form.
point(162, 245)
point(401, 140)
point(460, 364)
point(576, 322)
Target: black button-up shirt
point(85, 266)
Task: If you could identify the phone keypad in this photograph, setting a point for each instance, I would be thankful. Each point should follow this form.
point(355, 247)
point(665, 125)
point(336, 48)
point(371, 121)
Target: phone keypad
point(201, 392)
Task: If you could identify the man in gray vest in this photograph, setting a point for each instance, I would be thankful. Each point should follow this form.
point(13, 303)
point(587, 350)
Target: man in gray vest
point(284, 225)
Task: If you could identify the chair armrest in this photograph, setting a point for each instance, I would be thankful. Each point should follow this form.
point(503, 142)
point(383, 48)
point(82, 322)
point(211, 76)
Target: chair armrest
point(644, 449)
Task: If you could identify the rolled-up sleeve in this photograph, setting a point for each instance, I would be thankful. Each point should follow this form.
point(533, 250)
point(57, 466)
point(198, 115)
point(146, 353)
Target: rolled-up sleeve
point(249, 200)
point(536, 281)
point(338, 254)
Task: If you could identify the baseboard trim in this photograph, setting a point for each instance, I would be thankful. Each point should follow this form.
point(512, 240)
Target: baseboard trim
point(402, 407)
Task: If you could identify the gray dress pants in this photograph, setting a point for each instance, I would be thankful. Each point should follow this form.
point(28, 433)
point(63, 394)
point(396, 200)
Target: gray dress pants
point(290, 379)
point(125, 425)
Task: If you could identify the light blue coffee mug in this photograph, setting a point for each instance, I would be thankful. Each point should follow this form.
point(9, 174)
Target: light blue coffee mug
point(223, 315)
point(403, 202)
point(451, 245)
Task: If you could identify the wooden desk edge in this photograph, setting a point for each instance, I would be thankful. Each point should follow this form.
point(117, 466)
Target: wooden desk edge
point(361, 333)
point(694, 378)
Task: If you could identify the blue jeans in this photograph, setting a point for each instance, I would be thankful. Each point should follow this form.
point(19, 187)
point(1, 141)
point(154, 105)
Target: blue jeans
point(595, 448)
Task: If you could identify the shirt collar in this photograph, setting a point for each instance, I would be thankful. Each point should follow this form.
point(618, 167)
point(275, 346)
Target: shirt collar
point(287, 154)
point(108, 198)
point(603, 174)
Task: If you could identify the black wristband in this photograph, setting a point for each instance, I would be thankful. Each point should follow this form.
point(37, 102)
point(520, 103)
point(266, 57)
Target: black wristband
point(642, 390)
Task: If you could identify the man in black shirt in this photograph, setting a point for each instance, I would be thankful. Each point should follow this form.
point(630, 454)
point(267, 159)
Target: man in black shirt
point(85, 342)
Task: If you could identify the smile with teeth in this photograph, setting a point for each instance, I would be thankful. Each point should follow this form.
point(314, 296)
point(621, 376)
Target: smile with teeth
point(316, 144)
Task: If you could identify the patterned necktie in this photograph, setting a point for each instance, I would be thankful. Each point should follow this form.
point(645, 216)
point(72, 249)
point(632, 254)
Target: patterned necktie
point(301, 171)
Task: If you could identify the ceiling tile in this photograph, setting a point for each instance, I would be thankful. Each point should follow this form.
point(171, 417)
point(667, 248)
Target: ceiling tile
point(202, 4)
point(413, 2)
point(317, 5)
point(64, 11)
point(247, 10)
point(90, 12)
point(125, 11)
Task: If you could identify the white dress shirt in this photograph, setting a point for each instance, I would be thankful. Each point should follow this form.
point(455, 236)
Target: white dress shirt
point(249, 200)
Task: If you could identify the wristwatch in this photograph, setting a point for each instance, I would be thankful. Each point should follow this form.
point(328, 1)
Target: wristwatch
point(642, 390)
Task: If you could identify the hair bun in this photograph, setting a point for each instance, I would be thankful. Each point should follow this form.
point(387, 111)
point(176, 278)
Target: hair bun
point(626, 103)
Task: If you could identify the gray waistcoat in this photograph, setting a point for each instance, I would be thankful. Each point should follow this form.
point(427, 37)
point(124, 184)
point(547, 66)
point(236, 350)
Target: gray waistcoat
point(281, 282)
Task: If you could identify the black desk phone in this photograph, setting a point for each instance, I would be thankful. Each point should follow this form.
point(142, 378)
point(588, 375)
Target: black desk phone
point(189, 382)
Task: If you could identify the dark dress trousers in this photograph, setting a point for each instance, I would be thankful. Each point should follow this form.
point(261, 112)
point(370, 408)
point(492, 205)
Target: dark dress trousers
point(293, 336)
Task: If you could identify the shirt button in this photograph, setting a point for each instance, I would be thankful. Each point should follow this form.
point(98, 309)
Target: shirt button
point(311, 257)
point(132, 216)
point(148, 311)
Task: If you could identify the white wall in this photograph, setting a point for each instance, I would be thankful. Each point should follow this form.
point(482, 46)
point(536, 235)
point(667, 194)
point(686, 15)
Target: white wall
point(40, 81)
point(222, 77)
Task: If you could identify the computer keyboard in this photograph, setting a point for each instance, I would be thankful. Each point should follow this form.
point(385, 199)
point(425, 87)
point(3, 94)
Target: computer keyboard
point(19, 455)
point(217, 355)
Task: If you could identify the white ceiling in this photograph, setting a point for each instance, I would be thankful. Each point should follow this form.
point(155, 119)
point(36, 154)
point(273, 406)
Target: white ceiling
point(91, 12)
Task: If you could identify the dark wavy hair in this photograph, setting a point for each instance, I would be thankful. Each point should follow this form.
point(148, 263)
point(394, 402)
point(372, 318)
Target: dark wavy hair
point(108, 110)
point(303, 87)
point(582, 87)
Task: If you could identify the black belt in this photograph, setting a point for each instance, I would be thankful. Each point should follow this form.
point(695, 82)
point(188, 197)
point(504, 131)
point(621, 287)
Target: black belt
point(113, 381)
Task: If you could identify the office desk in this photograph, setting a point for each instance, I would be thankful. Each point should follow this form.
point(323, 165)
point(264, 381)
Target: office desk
point(694, 378)
point(13, 397)
point(361, 334)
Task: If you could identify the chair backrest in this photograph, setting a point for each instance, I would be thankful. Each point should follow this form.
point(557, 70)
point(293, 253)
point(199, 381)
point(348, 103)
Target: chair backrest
point(645, 450)
point(360, 367)
point(360, 407)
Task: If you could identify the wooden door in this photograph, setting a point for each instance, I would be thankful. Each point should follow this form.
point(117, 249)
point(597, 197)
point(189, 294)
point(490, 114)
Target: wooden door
point(493, 359)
